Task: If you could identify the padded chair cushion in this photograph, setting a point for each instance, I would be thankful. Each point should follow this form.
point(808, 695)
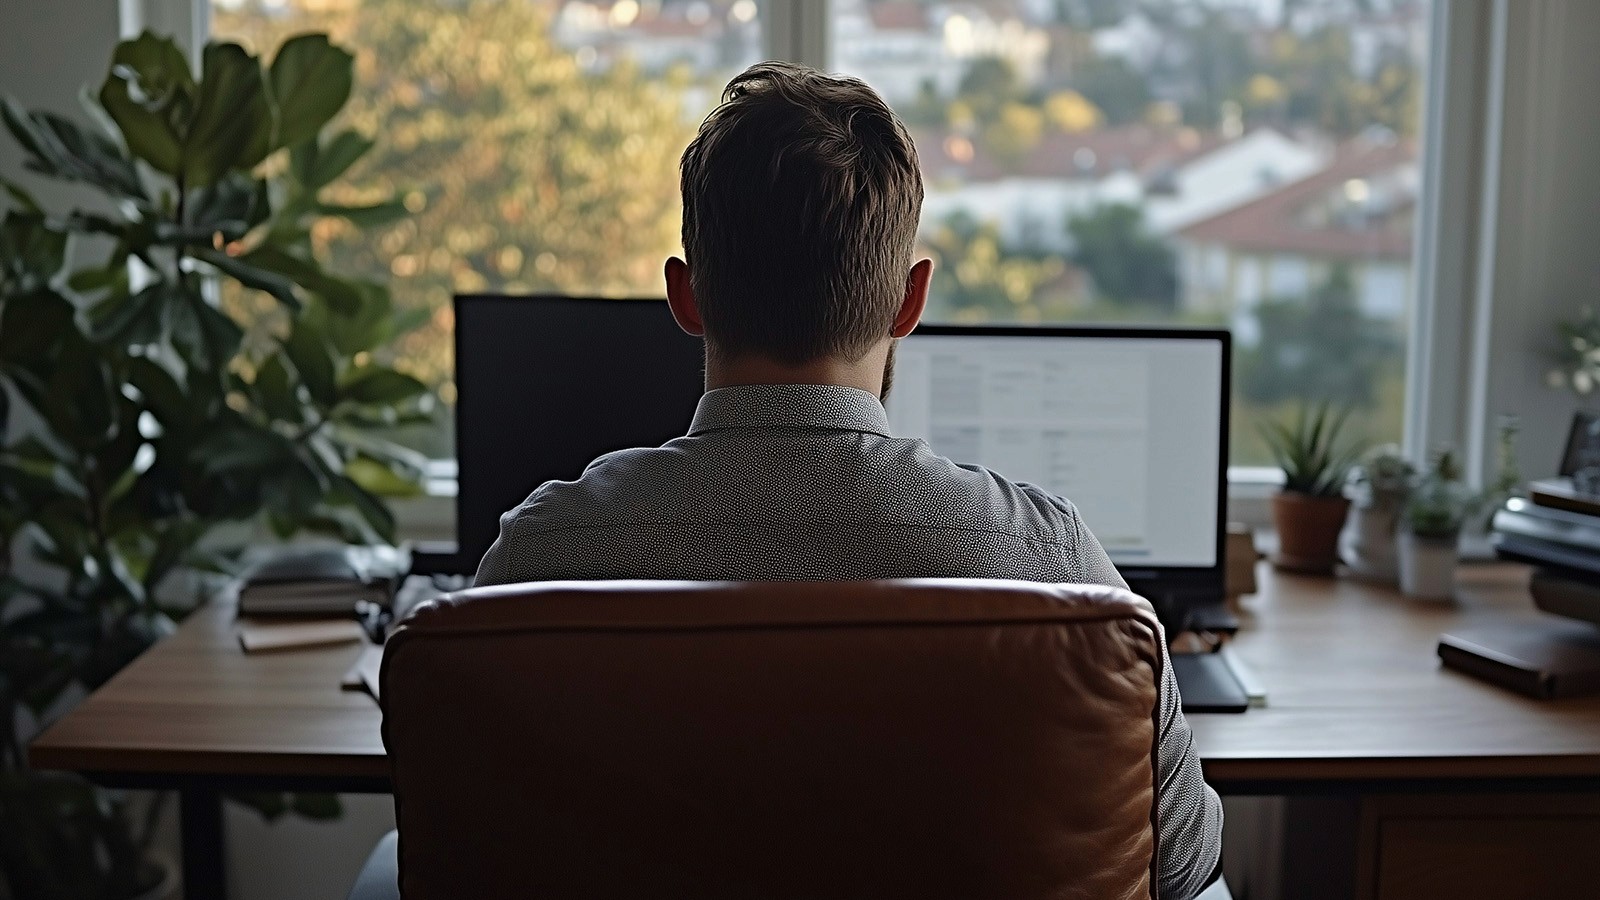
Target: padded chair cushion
point(936, 739)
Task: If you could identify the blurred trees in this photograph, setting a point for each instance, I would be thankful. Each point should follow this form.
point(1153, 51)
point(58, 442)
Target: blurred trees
point(1321, 346)
point(524, 172)
point(1120, 91)
point(1129, 265)
point(975, 279)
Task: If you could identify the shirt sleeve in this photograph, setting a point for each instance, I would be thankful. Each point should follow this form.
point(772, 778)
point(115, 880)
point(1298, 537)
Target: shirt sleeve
point(1189, 812)
point(510, 559)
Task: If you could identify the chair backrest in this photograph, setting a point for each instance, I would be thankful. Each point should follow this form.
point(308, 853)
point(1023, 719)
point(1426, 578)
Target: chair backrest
point(920, 738)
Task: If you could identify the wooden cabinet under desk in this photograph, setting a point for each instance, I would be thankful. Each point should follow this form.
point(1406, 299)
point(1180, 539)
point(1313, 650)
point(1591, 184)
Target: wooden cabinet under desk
point(1450, 847)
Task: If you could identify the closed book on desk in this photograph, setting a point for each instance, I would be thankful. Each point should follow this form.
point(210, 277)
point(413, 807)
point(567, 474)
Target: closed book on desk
point(321, 581)
point(1544, 659)
point(1558, 493)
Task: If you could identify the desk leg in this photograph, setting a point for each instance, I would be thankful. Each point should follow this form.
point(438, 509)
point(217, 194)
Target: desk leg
point(204, 873)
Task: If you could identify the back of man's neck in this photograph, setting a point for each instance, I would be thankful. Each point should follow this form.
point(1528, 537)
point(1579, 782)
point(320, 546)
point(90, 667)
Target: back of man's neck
point(865, 374)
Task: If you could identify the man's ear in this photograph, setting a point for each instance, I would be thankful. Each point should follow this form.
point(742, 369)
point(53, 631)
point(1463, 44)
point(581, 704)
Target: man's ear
point(911, 308)
point(680, 298)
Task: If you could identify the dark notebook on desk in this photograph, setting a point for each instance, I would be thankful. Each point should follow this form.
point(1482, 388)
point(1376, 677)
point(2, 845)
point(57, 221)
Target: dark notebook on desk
point(1208, 684)
point(1543, 659)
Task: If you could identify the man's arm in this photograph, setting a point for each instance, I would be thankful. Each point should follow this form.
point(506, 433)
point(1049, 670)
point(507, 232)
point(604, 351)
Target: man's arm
point(509, 558)
point(1189, 812)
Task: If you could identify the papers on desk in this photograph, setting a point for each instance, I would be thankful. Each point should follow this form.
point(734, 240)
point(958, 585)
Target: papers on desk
point(363, 676)
point(262, 637)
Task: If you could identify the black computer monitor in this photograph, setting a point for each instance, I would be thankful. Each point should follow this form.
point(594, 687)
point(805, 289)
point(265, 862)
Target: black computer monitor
point(546, 384)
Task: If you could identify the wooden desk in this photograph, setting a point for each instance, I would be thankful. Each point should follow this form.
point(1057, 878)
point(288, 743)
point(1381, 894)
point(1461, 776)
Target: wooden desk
point(1355, 693)
point(1357, 706)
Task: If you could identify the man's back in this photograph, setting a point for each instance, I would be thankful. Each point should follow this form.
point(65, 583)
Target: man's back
point(792, 482)
point(804, 482)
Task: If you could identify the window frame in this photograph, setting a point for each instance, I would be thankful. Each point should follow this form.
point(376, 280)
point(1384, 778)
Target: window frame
point(1461, 112)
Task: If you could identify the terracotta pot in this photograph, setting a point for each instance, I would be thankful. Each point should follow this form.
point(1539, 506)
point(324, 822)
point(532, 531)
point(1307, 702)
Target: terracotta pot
point(1308, 531)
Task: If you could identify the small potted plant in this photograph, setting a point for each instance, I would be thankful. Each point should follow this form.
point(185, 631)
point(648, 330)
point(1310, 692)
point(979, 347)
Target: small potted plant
point(1439, 504)
point(1310, 511)
point(1377, 488)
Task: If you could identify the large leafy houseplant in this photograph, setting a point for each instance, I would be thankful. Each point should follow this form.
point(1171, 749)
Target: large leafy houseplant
point(153, 428)
point(1310, 510)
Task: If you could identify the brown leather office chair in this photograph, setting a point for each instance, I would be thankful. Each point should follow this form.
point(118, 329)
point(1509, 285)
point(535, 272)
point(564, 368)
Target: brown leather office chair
point(930, 739)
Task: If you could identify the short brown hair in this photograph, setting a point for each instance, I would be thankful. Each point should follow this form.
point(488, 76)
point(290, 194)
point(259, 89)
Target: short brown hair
point(801, 195)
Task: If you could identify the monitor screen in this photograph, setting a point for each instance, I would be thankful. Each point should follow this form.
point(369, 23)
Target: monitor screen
point(1127, 424)
point(546, 384)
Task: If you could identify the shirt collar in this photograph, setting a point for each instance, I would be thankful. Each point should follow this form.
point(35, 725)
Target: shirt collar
point(821, 406)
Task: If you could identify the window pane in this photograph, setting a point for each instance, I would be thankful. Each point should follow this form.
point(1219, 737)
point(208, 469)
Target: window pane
point(537, 142)
point(1246, 163)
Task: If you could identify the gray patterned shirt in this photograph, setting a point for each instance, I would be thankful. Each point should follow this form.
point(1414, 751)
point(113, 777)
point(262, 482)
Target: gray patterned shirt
point(805, 482)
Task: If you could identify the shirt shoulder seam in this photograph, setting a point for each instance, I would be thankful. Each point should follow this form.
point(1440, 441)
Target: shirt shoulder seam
point(522, 525)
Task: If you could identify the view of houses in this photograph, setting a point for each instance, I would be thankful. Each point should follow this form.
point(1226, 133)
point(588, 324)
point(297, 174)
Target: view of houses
point(1251, 163)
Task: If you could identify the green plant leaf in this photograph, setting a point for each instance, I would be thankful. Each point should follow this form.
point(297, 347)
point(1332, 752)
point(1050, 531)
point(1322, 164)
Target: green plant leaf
point(113, 275)
point(60, 148)
point(203, 332)
point(20, 196)
point(313, 359)
point(340, 294)
point(232, 123)
point(84, 395)
point(373, 511)
point(379, 385)
point(31, 250)
point(311, 80)
point(130, 321)
point(275, 390)
point(162, 392)
point(231, 207)
point(174, 543)
point(380, 479)
point(318, 165)
point(251, 276)
point(150, 94)
point(373, 323)
point(1307, 448)
point(375, 216)
point(242, 448)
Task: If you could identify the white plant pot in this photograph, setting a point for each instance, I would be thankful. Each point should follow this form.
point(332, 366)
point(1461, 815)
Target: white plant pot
point(1368, 546)
point(1427, 566)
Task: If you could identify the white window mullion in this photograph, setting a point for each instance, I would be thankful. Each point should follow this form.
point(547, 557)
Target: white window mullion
point(796, 31)
point(1459, 129)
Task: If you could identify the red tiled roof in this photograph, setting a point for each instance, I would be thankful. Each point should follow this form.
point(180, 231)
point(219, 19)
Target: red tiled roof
point(1274, 222)
point(898, 15)
point(1142, 149)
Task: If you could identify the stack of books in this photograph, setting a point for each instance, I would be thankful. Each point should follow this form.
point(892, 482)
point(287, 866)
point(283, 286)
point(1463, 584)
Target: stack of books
point(322, 581)
point(1557, 529)
point(1555, 526)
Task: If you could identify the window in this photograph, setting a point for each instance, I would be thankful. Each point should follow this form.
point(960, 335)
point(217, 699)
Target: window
point(535, 141)
point(1244, 163)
